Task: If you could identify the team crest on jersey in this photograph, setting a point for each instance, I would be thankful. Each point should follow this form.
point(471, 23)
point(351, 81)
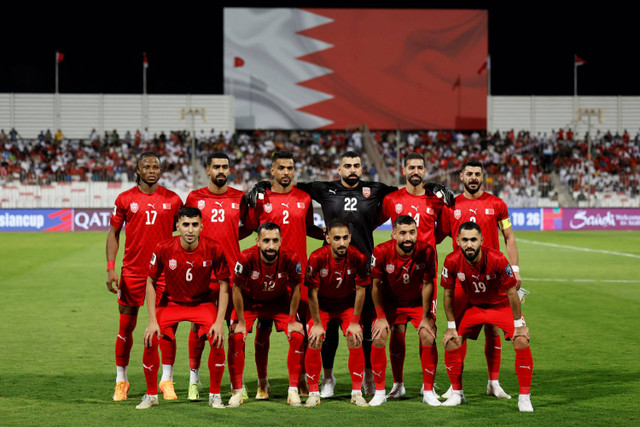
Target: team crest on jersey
point(134, 207)
point(430, 211)
point(461, 277)
point(300, 205)
point(255, 275)
point(390, 268)
point(268, 207)
point(166, 206)
point(324, 272)
point(399, 208)
point(457, 214)
point(489, 211)
point(491, 277)
point(235, 206)
point(201, 204)
point(173, 264)
point(366, 192)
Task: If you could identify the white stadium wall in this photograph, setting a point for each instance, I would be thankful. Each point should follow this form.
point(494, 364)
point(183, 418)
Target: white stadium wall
point(78, 114)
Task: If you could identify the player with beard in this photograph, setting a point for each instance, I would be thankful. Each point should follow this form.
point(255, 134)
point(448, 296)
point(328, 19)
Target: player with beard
point(337, 275)
point(491, 214)
point(266, 285)
point(150, 212)
point(291, 209)
point(402, 270)
point(488, 281)
point(425, 208)
point(225, 221)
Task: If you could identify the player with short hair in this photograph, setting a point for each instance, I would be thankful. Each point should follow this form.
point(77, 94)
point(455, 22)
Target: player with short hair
point(489, 283)
point(491, 214)
point(225, 221)
point(337, 275)
point(425, 208)
point(402, 270)
point(150, 212)
point(188, 261)
point(291, 209)
point(266, 285)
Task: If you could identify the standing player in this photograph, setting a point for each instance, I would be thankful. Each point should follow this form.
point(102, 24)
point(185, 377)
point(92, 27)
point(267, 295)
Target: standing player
point(337, 275)
point(266, 285)
point(425, 208)
point(188, 262)
point(291, 209)
point(491, 214)
point(224, 213)
point(488, 281)
point(150, 212)
point(402, 270)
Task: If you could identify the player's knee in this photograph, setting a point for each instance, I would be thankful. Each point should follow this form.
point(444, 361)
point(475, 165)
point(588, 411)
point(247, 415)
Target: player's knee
point(520, 342)
point(351, 342)
point(426, 339)
point(453, 344)
point(380, 341)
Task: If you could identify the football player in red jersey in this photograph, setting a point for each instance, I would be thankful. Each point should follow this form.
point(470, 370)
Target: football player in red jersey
point(266, 285)
point(225, 221)
point(150, 212)
point(402, 270)
point(491, 214)
point(188, 262)
point(337, 275)
point(291, 209)
point(425, 208)
point(489, 282)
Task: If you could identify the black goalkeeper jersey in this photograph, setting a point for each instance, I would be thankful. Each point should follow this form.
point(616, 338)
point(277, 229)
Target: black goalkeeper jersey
point(359, 206)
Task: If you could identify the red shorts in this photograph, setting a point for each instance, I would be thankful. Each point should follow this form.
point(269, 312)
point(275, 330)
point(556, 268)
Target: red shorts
point(344, 316)
point(403, 315)
point(474, 317)
point(203, 315)
point(132, 290)
point(278, 312)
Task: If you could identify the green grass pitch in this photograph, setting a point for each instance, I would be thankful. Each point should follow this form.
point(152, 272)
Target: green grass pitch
point(58, 328)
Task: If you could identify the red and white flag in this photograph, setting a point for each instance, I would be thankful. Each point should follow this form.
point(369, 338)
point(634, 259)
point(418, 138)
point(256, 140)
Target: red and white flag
point(238, 62)
point(145, 60)
point(577, 61)
point(59, 56)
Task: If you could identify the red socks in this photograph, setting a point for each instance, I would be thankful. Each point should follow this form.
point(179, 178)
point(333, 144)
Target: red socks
point(168, 350)
point(429, 361)
point(379, 365)
point(356, 367)
point(294, 358)
point(397, 351)
point(150, 365)
point(524, 369)
point(492, 351)
point(313, 364)
point(124, 340)
point(453, 361)
point(261, 345)
point(216, 367)
point(236, 360)
point(196, 347)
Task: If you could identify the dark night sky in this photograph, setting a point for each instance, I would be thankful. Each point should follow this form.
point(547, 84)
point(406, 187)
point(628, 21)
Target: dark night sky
point(531, 48)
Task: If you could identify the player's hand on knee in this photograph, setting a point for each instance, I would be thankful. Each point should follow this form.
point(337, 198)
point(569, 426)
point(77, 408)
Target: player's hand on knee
point(217, 333)
point(441, 192)
point(521, 332)
point(316, 336)
point(151, 330)
point(356, 332)
point(380, 329)
point(112, 281)
point(294, 327)
point(428, 325)
point(451, 339)
point(239, 328)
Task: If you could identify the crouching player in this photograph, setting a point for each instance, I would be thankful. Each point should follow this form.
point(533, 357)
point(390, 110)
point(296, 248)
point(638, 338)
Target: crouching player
point(489, 283)
point(262, 276)
point(336, 277)
point(187, 262)
point(403, 273)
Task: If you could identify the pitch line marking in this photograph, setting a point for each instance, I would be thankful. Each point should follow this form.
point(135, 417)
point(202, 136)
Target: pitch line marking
point(533, 279)
point(577, 248)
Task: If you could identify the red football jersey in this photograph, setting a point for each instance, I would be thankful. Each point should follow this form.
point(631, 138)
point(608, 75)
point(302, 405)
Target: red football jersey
point(483, 283)
point(488, 211)
point(188, 273)
point(289, 211)
point(402, 276)
point(222, 216)
point(336, 279)
point(267, 282)
point(150, 219)
point(425, 210)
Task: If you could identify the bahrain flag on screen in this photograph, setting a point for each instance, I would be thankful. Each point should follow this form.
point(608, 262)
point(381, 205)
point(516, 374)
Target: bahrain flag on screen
point(336, 68)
